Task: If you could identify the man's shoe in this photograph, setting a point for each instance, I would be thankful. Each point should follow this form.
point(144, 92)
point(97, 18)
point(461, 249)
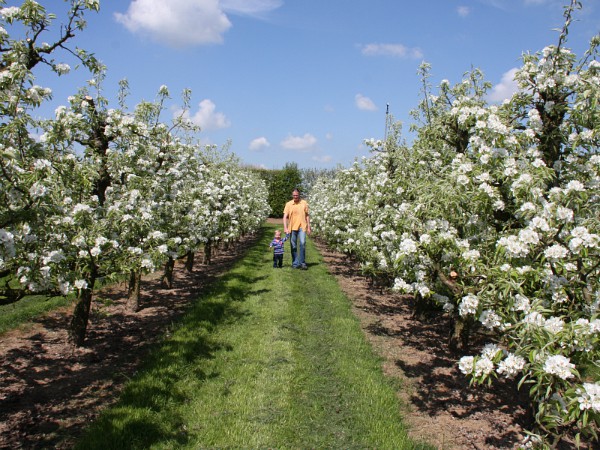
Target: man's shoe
point(304, 267)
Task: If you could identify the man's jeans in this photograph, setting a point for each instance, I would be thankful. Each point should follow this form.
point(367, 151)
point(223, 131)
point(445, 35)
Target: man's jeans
point(298, 241)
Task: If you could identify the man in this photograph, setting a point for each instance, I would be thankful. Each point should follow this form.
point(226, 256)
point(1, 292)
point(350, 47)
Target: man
point(297, 222)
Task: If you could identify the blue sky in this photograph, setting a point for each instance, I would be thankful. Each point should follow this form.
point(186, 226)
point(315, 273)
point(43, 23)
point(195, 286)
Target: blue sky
point(306, 81)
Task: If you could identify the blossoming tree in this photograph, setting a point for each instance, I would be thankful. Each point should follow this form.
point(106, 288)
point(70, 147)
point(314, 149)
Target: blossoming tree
point(103, 193)
point(493, 215)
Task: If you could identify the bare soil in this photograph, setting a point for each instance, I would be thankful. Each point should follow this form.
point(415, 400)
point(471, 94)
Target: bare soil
point(50, 390)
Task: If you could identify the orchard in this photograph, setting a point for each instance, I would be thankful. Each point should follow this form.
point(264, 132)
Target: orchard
point(490, 216)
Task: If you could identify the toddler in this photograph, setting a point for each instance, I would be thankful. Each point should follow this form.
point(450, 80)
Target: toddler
point(277, 245)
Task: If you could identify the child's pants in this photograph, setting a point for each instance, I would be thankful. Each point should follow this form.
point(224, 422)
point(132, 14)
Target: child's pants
point(277, 260)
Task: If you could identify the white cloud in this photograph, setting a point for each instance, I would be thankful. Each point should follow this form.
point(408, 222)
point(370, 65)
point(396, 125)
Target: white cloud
point(396, 50)
point(183, 23)
point(506, 88)
point(302, 143)
point(207, 117)
point(329, 136)
point(364, 103)
point(463, 11)
point(259, 143)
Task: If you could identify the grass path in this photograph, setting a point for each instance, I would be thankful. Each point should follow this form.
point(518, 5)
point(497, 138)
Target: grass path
point(266, 358)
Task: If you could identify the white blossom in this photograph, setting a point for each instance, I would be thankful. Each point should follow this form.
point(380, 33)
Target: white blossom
point(560, 366)
point(513, 246)
point(574, 186)
point(490, 319)
point(81, 284)
point(554, 325)
point(564, 214)
point(589, 397)
point(490, 351)
point(556, 252)
point(483, 366)
point(402, 286)
point(471, 255)
point(534, 318)
point(468, 305)
point(62, 69)
point(407, 247)
point(466, 364)
point(510, 366)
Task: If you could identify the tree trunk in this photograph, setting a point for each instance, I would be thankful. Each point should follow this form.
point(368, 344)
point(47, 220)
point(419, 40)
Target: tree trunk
point(459, 339)
point(81, 314)
point(422, 308)
point(133, 293)
point(207, 253)
point(167, 278)
point(189, 262)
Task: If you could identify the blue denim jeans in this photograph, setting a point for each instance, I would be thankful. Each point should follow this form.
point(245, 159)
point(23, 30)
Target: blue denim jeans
point(298, 242)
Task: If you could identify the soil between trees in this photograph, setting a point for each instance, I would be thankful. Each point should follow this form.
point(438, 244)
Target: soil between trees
point(49, 390)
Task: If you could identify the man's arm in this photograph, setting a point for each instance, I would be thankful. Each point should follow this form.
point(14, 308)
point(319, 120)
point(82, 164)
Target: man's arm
point(307, 218)
point(285, 222)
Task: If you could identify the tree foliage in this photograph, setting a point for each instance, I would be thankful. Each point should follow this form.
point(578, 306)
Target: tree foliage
point(280, 184)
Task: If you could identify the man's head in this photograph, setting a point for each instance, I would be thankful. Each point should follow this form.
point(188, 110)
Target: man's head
point(296, 195)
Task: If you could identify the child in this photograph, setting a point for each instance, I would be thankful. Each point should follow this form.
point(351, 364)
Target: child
point(277, 244)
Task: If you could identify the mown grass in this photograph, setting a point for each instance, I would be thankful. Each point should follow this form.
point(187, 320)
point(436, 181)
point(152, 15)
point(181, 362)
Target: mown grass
point(15, 314)
point(265, 358)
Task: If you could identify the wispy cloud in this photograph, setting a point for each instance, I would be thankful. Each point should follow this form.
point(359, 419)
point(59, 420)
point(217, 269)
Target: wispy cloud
point(185, 23)
point(322, 159)
point(259, 143)
point(256, 8)
point(364, 103)
point(506, 88)
point(463, 11)
point(508, 4)
point(207, 118)
point(394, 50)
point(304, 143)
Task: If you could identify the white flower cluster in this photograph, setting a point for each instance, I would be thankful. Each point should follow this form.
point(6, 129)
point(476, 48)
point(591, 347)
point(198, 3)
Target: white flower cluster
point(589, 397)
point(468, 305)
point(559, 365)
point(511, 366)
point(581, 238)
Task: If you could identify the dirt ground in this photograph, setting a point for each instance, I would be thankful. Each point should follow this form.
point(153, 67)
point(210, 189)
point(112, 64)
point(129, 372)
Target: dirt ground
point(50, 390)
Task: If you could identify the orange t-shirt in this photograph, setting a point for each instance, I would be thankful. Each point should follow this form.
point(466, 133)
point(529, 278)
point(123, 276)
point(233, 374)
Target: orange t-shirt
point(296, 214)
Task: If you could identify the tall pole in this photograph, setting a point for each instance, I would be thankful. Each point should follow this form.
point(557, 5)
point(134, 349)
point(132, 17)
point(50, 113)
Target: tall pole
point(387, 112)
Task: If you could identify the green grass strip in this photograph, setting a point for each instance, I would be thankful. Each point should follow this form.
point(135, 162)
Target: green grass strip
point(29, 307)
point(266, 358)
